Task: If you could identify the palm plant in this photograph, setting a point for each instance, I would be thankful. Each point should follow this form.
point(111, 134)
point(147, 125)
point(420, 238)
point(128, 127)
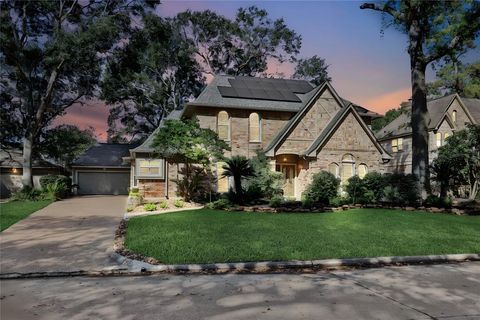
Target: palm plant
point(239, 168)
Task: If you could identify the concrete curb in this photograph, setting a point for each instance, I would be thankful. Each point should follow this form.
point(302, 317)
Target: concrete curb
point(129, 215)
point(138, 268)
point(296, 264)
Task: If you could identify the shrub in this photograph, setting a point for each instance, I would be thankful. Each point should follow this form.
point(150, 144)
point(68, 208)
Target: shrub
point(338, 201)
point(178, 203)
point(51, 179)
point(307, 203)
point(27, 193)
point(324, 186)
point(392, 195)
point(55, 191)
point(150, 207)
point(219, 204)
point(129, 209)
point(276, 201)
point(435, 201)
point(196, 184)
point(163, 204)
point(403, 189)
point(374, 182)
point(355, 189)
point(267, 183)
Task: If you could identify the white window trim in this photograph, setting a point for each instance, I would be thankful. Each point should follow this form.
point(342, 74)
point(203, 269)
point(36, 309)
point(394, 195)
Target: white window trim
point(161, 174)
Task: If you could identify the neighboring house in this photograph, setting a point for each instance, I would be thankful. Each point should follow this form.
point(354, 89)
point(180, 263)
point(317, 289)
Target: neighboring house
point(302, 129)
point(104, 168)
point(447, 115)
point(11, 163)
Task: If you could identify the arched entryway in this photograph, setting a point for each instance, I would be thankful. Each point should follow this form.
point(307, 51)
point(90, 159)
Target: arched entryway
point(287, 164)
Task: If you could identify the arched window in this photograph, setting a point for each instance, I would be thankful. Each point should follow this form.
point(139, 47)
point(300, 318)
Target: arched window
point(362, 170)
point(438, 139)
point(254, 127)
point(334, 169)
point(223, 125)
point(446, 136)
point(454, 116)
point(348, 168)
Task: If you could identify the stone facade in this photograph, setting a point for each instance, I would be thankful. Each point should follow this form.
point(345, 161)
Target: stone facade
point(348, 139)
point(311, 124)
point(349, 136)
point(402, 159)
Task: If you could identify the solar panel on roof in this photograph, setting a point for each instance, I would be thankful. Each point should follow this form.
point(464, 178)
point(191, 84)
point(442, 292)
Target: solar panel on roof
point(265, 89)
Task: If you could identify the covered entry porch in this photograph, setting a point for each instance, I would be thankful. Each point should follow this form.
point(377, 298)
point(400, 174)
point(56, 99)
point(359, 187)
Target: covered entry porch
point(292, 168)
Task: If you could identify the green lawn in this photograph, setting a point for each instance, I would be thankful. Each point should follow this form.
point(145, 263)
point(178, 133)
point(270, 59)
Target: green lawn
point(206, 236)
point(14, 211)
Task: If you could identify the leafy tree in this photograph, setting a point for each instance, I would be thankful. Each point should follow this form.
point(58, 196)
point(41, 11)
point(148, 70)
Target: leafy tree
point(435, 29)
point(241, 46)
point(456, 77)
point(238, 167)
point(153, 74)
point(313, 69)
point(65, 142)
point(390, 115)
point(183, 141)
point(50, 57)
point(458, 162)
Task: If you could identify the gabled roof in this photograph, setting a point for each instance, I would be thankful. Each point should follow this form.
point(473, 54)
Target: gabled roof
point(332, 126)
point(145, 147)
point(212, 97)
point(104, 155)
point(473, 105)
point(270, 149)
point(13, 158)
point(437, 109)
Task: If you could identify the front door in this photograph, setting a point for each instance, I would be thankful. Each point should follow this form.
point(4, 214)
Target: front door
point(288, 171)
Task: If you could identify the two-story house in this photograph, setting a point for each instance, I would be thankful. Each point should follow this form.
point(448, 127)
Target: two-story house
point(302, 129)
point(447, 115)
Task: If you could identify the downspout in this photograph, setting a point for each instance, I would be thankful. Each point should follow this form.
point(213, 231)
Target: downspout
point(166, 179)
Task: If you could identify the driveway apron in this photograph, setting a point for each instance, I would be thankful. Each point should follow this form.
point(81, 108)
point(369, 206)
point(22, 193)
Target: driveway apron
point(69, 235)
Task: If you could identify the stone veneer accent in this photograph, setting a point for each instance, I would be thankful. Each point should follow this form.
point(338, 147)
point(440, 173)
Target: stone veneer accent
point(402, 160)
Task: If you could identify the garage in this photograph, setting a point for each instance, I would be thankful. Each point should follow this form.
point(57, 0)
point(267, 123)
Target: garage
point(103, 169)
point(93, 182)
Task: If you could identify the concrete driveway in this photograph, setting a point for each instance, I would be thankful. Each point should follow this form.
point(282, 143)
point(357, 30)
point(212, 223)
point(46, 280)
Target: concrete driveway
point(68, 235)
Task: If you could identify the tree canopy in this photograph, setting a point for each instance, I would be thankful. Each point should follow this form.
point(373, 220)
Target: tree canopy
point(241, 46)
point(51, 58)
point(457, 77)
point(435, 30)
point(65, 142)
point(153, 74)
point(458, 161)
point(183, 141)
point(313, 69)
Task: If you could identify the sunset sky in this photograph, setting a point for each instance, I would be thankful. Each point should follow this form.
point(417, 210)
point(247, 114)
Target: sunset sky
point(366, 67)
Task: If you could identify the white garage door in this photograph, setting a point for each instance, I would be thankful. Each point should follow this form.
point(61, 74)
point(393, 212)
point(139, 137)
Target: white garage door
point(103, 182)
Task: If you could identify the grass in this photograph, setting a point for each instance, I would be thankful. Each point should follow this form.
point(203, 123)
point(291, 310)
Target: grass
point(207, 236)
point(13, 211)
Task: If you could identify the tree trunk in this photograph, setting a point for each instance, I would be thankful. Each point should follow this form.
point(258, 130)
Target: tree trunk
point(474, 190)
point(420, 119)
point(27, 179)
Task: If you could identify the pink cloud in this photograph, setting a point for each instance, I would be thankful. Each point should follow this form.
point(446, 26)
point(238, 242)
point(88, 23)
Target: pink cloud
point(386, 101)
point(93, 114)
